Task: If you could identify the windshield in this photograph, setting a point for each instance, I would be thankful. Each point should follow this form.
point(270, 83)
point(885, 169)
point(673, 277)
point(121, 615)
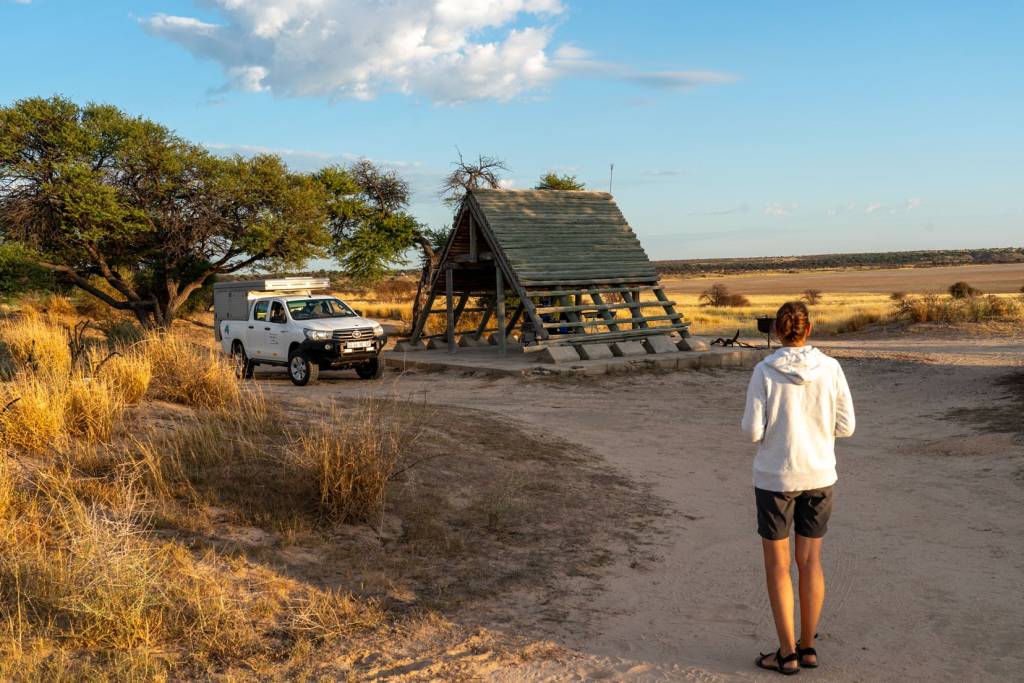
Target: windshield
point(309, 309)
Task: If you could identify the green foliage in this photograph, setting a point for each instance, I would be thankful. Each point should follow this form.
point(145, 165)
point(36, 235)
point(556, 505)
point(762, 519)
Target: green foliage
point(553, 181)
point(962, 290)
point(370, 228)
point(19, 272)
point(97, 193)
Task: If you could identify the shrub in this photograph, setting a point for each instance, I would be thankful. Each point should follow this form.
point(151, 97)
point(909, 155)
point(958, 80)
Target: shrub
point(931, 308)
point(719, 296)
point(962, 290)
point(395, 290)
point(812, 296)
point(898, 296)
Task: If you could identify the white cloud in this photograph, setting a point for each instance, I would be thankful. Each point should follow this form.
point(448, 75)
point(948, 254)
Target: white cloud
point(361, 48)
point(780, 209)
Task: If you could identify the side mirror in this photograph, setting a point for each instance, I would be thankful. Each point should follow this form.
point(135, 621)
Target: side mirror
point(358, 311)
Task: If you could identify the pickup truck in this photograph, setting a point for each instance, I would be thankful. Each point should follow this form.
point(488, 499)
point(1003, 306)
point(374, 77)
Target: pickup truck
point(305, 333)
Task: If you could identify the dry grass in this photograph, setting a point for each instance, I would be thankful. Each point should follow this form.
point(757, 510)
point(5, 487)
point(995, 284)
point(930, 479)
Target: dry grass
point(32, 342)
point(190, 374)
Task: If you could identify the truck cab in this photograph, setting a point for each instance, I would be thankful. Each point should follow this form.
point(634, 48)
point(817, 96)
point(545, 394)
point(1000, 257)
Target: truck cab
point(302, 331)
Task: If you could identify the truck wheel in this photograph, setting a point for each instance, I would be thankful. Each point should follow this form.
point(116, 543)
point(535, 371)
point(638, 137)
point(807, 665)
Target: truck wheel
point(243, 366)
point(301, 370)
point(371, 369)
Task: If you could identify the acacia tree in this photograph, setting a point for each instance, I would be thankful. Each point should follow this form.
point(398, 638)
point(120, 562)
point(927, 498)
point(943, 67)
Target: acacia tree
point(553, 181)
point(485, 172)
point(131, 213)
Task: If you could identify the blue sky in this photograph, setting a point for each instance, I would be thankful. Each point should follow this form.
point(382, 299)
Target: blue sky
point(736, 129)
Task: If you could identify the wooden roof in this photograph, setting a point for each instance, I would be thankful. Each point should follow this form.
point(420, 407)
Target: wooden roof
point(554, 237)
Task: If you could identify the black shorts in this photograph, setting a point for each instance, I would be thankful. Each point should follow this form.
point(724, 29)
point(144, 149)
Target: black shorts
point(776, 512)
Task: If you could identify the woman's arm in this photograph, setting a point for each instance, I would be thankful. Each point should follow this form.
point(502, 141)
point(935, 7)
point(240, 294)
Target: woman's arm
point(753, 416)
point(846, 422)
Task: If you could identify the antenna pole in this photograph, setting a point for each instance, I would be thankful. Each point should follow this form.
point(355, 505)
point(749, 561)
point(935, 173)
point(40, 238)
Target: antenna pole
point(611, 176)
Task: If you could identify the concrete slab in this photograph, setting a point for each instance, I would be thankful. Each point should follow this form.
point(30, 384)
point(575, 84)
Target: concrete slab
point(558, 354)
point(693, 344)
point(625, 349)
point(595, 352)
point(468, 341)
point(406, 347)
point(438, 344)
point(510, 342)
point(487, 361)
point(660, 343)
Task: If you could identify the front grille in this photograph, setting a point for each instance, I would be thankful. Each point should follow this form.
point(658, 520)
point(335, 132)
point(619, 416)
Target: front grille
point(358, 334)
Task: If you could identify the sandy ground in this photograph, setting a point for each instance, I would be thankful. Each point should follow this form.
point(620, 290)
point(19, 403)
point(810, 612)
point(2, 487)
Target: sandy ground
point(924, 557)
point(990, 278)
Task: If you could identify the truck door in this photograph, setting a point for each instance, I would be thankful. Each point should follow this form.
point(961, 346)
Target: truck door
point(275, 344)
point(256, 334)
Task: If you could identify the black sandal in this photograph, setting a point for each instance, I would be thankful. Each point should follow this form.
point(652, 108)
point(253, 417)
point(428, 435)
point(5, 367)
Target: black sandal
point(779, 661)
point(804, 652)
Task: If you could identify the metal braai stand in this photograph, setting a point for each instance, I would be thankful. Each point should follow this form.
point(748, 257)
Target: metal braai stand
point(764, 326)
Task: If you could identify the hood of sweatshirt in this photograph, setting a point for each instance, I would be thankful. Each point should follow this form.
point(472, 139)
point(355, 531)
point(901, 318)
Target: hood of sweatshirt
point(799, 364)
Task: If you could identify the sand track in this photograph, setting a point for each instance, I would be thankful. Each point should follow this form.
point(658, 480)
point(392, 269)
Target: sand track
point(924, 558)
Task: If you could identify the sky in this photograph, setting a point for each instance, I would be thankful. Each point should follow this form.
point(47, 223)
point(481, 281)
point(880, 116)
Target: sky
point(735, 129)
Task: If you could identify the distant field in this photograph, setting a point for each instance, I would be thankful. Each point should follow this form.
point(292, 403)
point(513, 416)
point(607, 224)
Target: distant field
point(997, 278)
point(888, 259)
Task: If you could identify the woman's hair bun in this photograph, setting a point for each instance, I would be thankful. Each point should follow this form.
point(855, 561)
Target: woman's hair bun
point(792, 322)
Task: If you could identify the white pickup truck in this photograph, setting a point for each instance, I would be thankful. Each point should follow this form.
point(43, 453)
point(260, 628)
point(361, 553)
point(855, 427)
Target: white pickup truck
point(282, 322)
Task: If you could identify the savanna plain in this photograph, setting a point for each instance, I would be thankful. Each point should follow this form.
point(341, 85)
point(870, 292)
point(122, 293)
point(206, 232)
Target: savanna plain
point(163, 521)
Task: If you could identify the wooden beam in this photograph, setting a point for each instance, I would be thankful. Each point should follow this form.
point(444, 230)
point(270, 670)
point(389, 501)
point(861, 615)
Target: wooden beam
point(472, 238)
point(603, 323)
point(669, 305)
point(499, 303)
point(514, 320)
point(449, 300)
point(482, 327)
point(605, 312)
point(599, 306)
point(469, 258)
point(638, 315)
point(417, 330)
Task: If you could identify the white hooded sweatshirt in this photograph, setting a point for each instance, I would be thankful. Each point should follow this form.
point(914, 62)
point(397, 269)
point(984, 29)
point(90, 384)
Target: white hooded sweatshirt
point(798, 402)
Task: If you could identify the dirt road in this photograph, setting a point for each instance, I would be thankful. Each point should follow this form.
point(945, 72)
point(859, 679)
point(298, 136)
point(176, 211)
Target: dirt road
point(924, 558)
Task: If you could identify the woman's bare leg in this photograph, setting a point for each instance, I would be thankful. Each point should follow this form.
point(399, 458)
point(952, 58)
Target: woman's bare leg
point(780, 593)
point(812, 589)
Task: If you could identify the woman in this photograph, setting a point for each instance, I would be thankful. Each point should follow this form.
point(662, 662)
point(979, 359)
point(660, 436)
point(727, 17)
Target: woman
point(797, 403)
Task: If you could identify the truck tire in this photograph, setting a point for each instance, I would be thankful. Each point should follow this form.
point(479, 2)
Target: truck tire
point(371, 369)
point(243, 366)
point(301, 370)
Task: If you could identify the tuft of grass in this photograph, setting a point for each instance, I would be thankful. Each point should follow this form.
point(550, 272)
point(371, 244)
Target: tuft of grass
point(32, 343)
point(933, 308)
point(193, 375)
point(33, 416)
point(352, 457)
point(127, 373)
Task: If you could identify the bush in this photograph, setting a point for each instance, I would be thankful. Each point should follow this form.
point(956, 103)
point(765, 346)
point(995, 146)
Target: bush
point(962, 290)
point(719, 296)
point(898, 296)
point(812, 296)
point(395, 290)
point(121, 333)
point(931, 308)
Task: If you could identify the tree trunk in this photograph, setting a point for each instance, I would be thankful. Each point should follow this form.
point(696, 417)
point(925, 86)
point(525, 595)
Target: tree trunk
point(426, 275)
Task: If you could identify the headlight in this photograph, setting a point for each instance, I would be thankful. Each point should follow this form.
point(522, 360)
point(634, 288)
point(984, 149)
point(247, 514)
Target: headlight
point(378, 330)
point(317, 335)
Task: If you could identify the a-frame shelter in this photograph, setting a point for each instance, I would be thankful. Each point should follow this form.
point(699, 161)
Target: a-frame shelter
point(566, 261)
